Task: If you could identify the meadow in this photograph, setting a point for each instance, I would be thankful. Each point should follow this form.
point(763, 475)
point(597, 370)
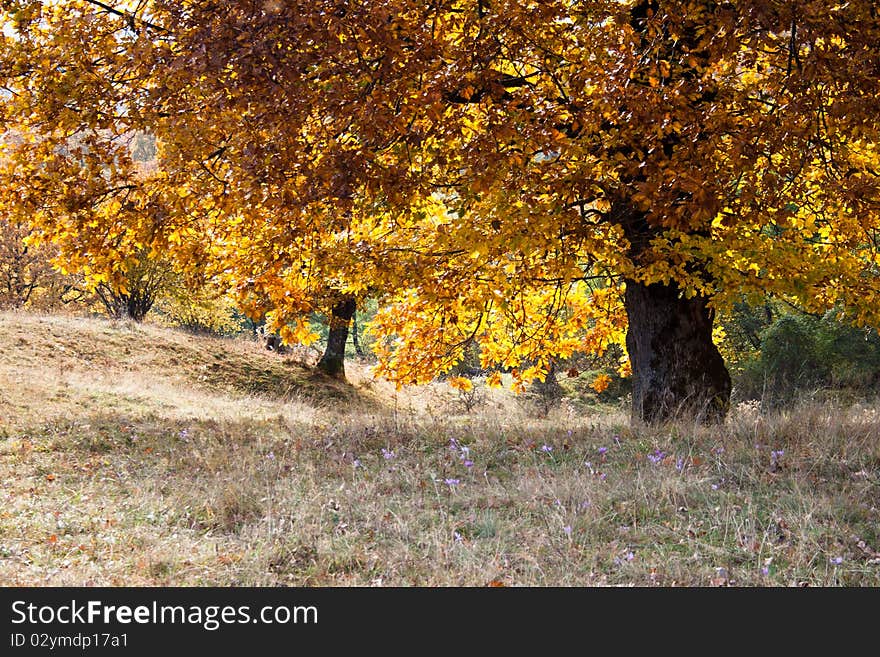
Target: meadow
point(137, 455)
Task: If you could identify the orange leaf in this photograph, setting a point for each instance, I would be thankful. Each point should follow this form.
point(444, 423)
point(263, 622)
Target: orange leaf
point(461, 383)
point(601, 383)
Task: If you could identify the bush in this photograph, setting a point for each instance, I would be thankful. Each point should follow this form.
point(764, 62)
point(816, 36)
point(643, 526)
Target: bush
point(541, 397)
point(801, 353)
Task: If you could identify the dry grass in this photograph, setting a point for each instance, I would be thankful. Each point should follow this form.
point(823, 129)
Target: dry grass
point(134, 455)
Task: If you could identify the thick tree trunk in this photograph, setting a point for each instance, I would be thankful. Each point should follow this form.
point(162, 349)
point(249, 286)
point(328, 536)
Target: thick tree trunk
point(333, 360)
point(677, 370)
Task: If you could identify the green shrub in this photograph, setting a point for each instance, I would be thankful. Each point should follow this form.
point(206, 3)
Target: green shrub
point(802, 353)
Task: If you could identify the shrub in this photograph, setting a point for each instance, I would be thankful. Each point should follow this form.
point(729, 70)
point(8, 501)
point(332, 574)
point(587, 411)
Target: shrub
point(801, 353)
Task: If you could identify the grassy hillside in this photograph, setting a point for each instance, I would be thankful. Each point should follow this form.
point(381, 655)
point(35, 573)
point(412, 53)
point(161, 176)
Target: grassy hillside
point(137, 455)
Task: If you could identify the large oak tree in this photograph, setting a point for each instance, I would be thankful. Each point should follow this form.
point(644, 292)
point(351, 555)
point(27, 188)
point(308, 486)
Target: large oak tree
point(540, 177)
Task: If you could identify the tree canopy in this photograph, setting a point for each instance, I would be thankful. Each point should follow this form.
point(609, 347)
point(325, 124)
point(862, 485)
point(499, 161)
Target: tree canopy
point(540, 177)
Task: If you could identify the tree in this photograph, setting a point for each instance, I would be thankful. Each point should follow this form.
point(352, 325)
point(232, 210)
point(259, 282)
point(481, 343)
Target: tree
point(145, 279)
point(540, 177)
point(341, 316)
point(23, 268)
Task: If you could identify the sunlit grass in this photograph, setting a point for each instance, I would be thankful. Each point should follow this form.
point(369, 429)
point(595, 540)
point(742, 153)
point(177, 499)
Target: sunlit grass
point(120, 465)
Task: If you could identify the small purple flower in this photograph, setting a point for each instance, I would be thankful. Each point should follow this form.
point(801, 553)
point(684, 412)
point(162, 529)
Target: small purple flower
point(765, 570)
point(271, 456)
point(387, 454)
point(777, 454)
point(656, 457)
point(602, 476)
point(457, 537)
point(465, 451)
point(588, 465)
point(616, 440)
point(714, 486)
point(719, 450)
point(679, 464)
point(836, 561)
point(468, 463)
point(356, 463)
point(629, 556)
point(546, 448)
point(452, 483)
point(585, 505)
point(567, 530)
point(602, 450)
point(184, 434)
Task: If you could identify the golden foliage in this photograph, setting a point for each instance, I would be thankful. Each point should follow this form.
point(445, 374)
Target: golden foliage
point(495, 171)
point(600, 383)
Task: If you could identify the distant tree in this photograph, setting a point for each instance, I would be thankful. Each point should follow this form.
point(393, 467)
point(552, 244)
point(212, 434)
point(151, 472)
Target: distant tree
point(132, 294)
point(24, 267)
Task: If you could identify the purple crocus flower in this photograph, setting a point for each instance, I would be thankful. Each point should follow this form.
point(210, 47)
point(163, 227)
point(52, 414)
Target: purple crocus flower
point(656, 457)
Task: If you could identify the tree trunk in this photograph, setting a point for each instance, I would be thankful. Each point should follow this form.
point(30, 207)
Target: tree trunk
point(677, 370)
point(333, 360)
point(355, 340)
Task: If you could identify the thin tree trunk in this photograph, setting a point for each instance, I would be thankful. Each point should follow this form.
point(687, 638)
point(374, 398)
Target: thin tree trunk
point(333, 360)
point(677, 370)
point(355, 340)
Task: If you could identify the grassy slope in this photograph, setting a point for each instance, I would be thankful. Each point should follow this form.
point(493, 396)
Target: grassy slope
point(135, 455)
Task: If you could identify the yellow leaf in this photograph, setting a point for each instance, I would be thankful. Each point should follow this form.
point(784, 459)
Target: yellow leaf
point(461, 383)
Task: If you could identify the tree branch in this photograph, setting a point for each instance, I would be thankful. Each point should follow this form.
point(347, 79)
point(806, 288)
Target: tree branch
point(130, 17)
